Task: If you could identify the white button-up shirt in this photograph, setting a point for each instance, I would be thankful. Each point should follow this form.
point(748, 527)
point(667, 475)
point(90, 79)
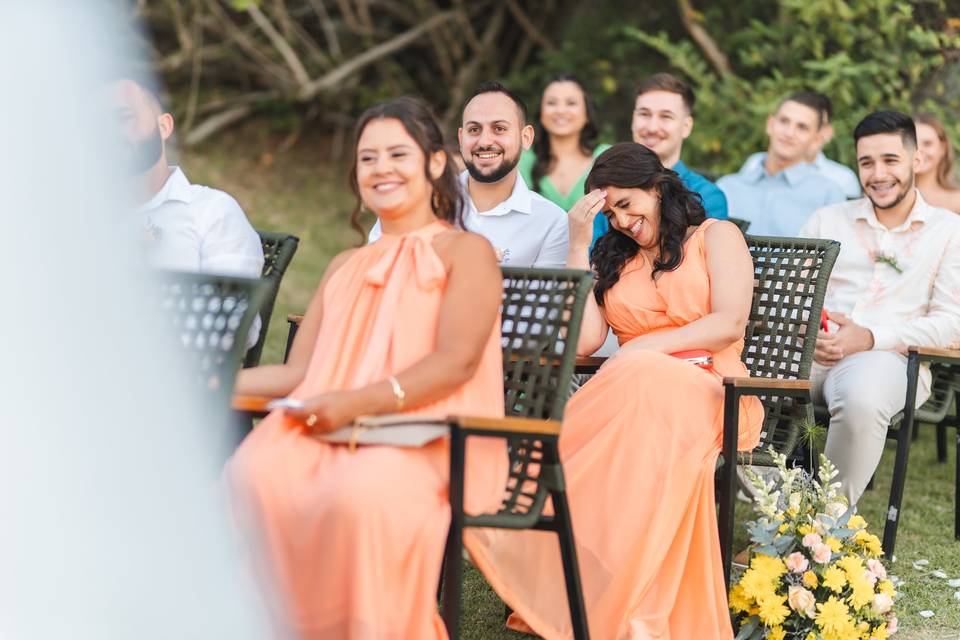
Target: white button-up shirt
point(526, 229)
point(903, 284)
point(189, 227)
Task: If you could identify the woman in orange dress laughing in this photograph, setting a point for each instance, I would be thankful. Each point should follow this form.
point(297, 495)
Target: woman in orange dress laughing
point(350, 543)
point(640, 439)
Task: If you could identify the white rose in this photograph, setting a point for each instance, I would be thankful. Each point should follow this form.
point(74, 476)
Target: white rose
point(882, 603)
point(802, 600)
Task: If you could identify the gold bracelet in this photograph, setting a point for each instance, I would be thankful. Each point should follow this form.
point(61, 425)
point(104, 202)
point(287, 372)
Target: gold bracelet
point(398, 392)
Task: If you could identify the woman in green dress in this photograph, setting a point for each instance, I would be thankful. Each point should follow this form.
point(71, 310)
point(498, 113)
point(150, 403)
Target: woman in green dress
point(565, 144)
point(564, 148)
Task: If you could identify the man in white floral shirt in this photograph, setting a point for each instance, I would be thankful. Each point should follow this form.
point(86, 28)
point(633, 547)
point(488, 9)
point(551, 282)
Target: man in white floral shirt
point(895, 284)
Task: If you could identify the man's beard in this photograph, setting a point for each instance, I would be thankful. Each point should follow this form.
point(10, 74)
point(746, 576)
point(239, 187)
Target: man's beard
point(498, 174)
point(143, 154)
point(900, 196)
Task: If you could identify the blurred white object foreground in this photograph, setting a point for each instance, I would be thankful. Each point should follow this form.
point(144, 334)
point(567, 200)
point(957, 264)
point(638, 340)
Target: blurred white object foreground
point(111, 525)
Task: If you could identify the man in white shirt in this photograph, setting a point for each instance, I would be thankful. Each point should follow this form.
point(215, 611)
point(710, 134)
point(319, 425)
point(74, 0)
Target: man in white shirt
point(186, 227)
point(839, 174)
point(525, 229)
point(896, 283)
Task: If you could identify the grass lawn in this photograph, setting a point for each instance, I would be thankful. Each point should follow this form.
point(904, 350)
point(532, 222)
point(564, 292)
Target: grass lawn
point(296, 193)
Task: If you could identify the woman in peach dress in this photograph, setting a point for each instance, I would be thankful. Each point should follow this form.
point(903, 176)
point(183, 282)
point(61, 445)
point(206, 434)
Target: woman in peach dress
point(350, 543)
point(640, 439)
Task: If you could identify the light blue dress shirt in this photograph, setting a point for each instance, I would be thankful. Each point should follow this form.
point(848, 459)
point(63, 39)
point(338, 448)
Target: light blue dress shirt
point(841, 174)
point(777, 205)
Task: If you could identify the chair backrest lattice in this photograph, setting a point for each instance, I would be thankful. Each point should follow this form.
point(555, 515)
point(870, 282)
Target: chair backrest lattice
point(211, 316)
point(540, 323)
point(278, 251)
point(791, 276)
point(540, 319)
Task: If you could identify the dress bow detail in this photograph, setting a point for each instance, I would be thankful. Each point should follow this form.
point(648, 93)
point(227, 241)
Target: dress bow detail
point(430, 272)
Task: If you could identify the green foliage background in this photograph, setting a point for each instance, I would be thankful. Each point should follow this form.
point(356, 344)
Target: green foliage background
point(864, 54)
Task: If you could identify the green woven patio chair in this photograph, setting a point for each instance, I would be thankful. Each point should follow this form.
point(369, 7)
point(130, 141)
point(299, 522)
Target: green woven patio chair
point(945, 387)
point(278, 251)
point(790, 282)
point(742, 224)
point(791, 276)
point(210, 315)
point(936, 410)
point(944, 396)
point(540, 323)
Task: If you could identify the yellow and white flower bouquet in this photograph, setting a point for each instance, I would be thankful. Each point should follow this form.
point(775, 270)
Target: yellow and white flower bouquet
point(815, 571)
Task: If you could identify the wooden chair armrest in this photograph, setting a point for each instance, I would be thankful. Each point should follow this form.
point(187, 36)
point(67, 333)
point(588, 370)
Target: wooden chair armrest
point(295, 318)
point(588, 364)
point(748, 383)
point(520, 426)
point(250, 404)
point(936, 354)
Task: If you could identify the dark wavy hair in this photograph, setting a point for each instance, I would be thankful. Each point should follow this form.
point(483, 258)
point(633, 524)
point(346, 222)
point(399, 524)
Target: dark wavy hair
point(629, 165)
point(418, 121)
point(541, 140)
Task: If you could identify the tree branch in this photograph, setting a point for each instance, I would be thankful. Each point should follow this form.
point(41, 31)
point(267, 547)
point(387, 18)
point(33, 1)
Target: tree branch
point(329, 30)
point(692, 21)
point(330, 80)
point(527, 25)
point(281, 45)
point(217, 122)
point(468, 72)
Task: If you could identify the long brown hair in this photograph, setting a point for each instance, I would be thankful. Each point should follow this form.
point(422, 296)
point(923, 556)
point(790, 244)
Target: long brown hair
point(629, 165)
point(945, 175)
point(415, 116)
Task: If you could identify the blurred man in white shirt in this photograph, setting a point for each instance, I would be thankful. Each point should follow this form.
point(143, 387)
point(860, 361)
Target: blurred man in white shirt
point(186, 227)
point(896, 283)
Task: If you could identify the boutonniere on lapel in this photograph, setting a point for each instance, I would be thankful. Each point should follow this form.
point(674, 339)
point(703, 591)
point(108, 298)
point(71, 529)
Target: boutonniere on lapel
point(890, 260)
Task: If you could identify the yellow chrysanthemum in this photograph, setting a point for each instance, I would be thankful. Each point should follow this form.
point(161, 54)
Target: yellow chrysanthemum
point(852, 565)
point(861, 591)
point(756, 584)
point(834, 544)
point(770, 566)
point(880, 633)
point(869, 542)
point(886, 587)
point(856, 521)
point(804, 529)
point(776, 633)
point(810, 579)
point(834, 579)
point(773, 609)
point(792, 512)
point(739, 601)
point(783, 528)
point(810, 636)
point(833, 618)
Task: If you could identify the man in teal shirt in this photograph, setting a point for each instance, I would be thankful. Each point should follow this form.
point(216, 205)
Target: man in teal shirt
point(662, 120)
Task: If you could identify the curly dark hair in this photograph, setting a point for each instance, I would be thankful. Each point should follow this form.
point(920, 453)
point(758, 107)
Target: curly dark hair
point(629, 165)
point(541, 140)
point(418, 121)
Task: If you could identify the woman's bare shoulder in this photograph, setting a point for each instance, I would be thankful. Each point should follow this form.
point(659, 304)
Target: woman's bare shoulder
point(338, 261)
point(455, 245)
point(723, 231)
